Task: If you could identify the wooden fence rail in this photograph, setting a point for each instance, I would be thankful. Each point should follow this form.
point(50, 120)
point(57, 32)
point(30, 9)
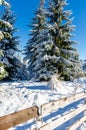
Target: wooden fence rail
point(57, 122)
point(18, 117)
point(14, 119)
point(54, 105)
point(78, 123)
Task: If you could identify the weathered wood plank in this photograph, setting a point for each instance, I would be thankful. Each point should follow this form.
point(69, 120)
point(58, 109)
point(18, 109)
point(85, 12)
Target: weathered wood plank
point(77, 124)
point(54, 105)
point(57, 122)
point(18, 117)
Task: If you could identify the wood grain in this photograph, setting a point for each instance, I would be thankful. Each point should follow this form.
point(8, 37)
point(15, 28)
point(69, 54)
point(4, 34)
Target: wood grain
point(18, 117)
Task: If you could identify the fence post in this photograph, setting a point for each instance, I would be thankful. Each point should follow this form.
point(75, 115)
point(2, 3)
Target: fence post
point(38, 120)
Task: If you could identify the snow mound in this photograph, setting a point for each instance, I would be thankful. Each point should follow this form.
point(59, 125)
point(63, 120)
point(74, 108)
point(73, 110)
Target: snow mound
point(54, 83)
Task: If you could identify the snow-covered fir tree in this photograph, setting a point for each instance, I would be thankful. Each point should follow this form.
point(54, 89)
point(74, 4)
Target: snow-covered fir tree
point(60, 28)
point(10, 46)
point(3, 35)
point(34, 49)
point(50, 49)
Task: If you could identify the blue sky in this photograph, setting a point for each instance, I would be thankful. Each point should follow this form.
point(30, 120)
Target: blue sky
point(24, 10)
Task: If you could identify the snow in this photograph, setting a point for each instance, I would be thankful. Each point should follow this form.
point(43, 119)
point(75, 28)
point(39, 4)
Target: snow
point(1, 1)
point(1, 36)
point(6, 24)
point(1, 69)
point(4, 2)
point(16, 96)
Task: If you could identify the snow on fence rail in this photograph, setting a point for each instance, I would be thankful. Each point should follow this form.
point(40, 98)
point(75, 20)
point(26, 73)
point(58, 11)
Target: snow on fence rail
point(14, 119)
point(54, 105)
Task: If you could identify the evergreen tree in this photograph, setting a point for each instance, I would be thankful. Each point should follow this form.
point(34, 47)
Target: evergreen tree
point(10, 46)
point(34, 50)
point(3, 35)
point(59, 26)
point(50, 49)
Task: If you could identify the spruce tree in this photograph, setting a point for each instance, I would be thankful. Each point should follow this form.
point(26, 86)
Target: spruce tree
point(10, 45)
point(3, 35)
point(50, 49)
point(34, 50)
point(60, 28)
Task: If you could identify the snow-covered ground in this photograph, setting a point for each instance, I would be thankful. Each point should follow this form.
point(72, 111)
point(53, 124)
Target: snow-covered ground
point(15, 96)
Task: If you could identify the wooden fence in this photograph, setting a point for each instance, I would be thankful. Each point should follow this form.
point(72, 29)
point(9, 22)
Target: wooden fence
point(14, 119)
